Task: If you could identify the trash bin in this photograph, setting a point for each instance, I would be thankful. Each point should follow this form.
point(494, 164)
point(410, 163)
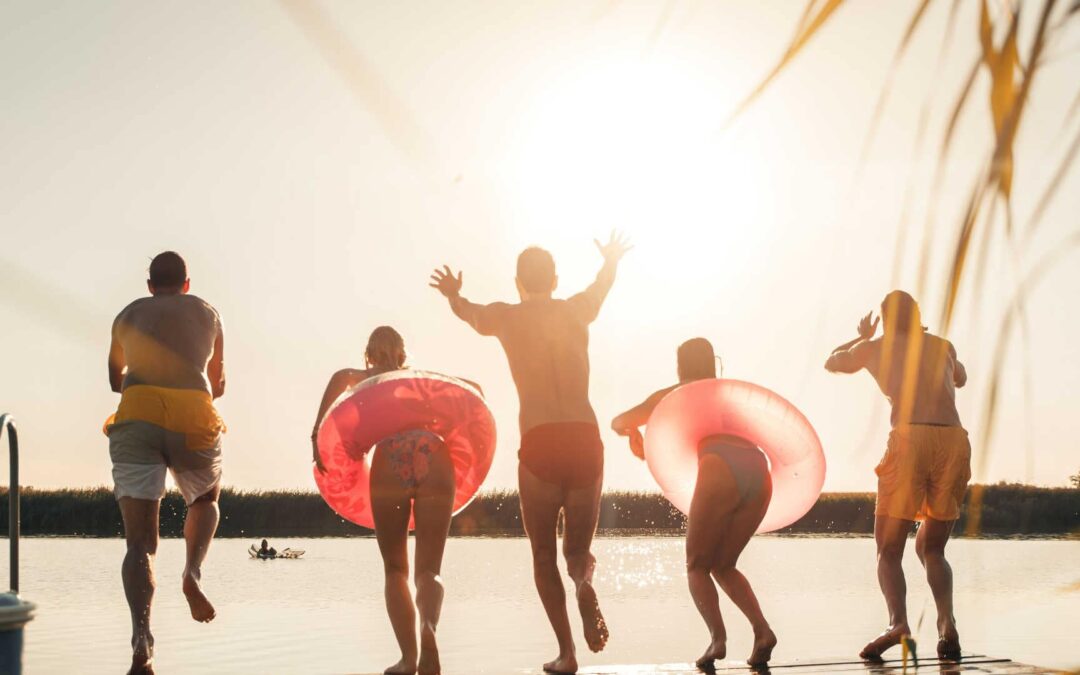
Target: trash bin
point(15, 613)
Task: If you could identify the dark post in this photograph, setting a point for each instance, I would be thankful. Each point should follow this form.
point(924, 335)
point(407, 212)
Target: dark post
point(8, 422)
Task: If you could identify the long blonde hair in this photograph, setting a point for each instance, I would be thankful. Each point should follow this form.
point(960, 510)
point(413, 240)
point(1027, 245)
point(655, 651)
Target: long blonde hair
point(385, 349)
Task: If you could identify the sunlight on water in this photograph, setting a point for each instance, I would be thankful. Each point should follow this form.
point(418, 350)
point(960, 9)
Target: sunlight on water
point(324, 613)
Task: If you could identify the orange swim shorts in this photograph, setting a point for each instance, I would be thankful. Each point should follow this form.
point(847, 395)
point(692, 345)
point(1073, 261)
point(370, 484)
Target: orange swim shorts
point(924, 473)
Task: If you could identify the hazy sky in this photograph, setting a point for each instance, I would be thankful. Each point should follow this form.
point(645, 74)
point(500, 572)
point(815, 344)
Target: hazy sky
point(312, 190)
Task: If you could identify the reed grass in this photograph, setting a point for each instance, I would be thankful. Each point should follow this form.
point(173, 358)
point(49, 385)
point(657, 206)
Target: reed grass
point(1006, 510)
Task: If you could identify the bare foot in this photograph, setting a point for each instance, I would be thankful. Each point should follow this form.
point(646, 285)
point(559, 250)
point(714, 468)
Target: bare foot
point(429, 652)
point(879, 645)
point(402, 667)
point(201, 609)
point(596, 630)
point(564, 665)
point(763, 646)
point(141, 667)
point(142, 655)
point(948, 646)
point(717, 649)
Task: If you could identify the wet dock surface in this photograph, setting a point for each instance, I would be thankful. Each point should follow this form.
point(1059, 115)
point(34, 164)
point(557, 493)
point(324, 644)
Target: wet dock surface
point(974, 663)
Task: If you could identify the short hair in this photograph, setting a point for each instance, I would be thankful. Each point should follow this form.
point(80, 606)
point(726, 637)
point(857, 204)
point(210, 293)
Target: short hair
point(696, 359)
point(168, 270)
point(900, 313)
point(536, 270)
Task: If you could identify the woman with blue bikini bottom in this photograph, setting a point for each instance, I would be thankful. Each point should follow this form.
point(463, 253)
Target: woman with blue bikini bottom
point(731, 496)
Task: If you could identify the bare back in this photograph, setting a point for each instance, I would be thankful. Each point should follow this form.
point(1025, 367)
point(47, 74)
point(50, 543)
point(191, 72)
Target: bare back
point(168, 340)
point(917, 373)
point(547, 346)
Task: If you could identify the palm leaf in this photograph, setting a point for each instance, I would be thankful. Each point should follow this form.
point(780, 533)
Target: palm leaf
point(365, 82)
point(810, 26)
point(661, 23)
point(1054, 184)
point(1004, 334)
point(883, 95)
point(996, 171)
point(920, 136)
point(929, 224)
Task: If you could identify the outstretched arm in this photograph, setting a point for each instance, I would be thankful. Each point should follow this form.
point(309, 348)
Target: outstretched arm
point(339, 382)
point(848, 357)
point(483, 318)
point(630, 422)
point(588, 302)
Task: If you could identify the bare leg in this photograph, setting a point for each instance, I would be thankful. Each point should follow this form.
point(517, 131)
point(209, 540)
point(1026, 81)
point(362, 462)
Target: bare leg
point(540, 506)
point(891, 536)
point(432, 508)
point(744, 522)
point(141, 531)
point(391, 506)
point(714, 500)
point(930, 544)
point(199, 528)
point(581, 511)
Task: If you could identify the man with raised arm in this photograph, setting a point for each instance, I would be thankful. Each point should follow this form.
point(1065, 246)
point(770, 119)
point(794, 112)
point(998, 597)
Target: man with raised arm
point(561, 460)
point(166, 361)
point(927, 462)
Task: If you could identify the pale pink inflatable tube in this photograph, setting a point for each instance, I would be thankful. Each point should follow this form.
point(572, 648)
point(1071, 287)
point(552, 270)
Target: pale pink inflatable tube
point(706, 407)
point(387, 404)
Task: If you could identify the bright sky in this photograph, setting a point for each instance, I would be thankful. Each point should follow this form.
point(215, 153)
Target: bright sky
point(311, 211)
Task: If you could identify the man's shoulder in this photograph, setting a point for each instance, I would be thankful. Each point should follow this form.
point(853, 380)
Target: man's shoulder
point(131, 308)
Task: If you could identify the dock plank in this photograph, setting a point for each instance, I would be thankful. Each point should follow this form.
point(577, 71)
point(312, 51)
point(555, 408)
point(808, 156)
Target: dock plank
point(973, 665)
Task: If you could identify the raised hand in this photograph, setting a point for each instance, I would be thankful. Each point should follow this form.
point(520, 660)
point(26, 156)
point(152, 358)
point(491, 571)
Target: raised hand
point(445, 282)
point(615, 248)
point(868, 325)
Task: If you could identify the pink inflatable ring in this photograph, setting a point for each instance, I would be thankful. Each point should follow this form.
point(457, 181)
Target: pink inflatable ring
point(707, 407)
point(398, 401)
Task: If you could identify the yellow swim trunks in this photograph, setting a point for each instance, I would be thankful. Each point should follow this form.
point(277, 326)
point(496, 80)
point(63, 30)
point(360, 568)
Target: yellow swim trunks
point(184, 411)
point(924, 473)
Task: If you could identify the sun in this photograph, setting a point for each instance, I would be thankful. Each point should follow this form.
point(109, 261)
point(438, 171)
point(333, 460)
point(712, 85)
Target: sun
point(636, 143)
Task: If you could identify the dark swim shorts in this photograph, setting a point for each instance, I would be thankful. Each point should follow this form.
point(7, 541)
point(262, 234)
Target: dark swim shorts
point(567, 454)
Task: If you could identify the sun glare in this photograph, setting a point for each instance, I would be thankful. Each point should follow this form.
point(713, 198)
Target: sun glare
point(636, 144)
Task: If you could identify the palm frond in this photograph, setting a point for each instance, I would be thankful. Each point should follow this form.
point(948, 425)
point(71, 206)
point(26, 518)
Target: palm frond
point(883, 95)
point(999, 169)
point(662, 23)
point(811, 24)
point(1052, 187)
point(1004, 335)
point(363, 79)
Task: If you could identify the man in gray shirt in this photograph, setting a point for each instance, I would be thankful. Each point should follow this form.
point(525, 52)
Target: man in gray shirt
point(166, 361)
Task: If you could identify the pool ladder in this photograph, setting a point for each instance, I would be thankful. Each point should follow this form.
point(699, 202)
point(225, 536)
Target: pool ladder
point(7, 423)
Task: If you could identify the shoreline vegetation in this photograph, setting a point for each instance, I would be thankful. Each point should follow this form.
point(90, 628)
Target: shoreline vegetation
point(1003, 510)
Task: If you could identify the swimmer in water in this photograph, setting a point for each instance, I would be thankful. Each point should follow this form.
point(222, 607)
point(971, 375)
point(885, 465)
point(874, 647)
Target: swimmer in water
point(411, 475)
point(730, 499)
point(561, 459)
point(927, 462)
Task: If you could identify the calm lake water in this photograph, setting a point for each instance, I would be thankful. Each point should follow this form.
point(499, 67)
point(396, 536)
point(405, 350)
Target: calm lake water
point(324, 613)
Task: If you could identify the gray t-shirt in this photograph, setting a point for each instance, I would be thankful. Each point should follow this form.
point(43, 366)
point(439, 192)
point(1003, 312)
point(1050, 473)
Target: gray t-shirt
point(168, 341)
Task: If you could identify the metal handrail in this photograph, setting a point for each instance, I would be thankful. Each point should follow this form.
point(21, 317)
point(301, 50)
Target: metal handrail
point(8, 422)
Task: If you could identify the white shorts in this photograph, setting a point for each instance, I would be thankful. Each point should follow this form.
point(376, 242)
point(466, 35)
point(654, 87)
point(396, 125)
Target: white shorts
point(141, 452)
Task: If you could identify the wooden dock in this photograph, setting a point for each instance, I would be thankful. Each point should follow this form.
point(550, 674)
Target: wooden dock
point(972, 664)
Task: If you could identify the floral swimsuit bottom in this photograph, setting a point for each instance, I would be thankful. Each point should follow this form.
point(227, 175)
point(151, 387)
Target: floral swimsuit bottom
point(409, 453)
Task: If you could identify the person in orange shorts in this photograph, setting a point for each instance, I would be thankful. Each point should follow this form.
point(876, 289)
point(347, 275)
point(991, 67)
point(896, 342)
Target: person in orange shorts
point(927, 462)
